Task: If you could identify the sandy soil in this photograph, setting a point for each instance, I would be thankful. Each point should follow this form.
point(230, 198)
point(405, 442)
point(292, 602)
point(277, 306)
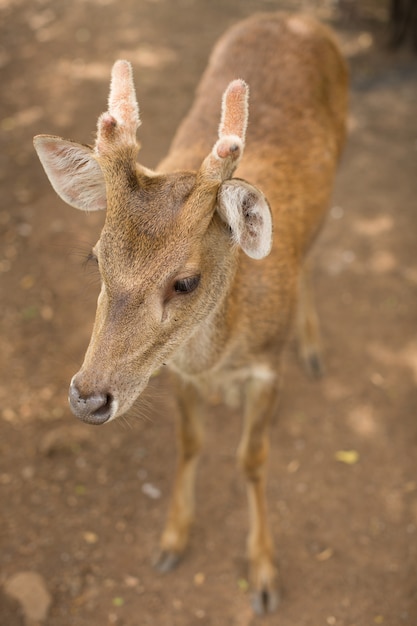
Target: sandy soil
point(83, 507)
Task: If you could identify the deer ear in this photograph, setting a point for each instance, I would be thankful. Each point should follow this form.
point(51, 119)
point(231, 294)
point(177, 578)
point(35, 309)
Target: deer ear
point(73, 172)
point(246, 210)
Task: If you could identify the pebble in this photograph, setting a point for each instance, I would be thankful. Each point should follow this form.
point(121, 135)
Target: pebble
point(151, 491)
point(30, 590)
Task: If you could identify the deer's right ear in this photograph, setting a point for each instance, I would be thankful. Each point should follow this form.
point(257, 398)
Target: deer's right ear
point(73, 172)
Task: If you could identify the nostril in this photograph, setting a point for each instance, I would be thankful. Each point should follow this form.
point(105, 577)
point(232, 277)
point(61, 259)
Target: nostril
point(104, 411)
point(95, 408)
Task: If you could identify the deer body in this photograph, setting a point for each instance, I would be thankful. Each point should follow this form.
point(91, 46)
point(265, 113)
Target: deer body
point(296, 130)
point(191, 275)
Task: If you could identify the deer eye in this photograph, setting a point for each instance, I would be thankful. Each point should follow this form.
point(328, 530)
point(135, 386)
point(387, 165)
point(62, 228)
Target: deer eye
point(90, 258)
point(186, 285)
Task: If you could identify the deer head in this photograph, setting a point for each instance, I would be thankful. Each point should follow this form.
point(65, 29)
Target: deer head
point(168, 249)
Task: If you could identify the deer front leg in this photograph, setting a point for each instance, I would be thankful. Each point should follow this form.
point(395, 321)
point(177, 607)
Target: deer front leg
point(181, 512)
point(261, 399)
point(308, 329)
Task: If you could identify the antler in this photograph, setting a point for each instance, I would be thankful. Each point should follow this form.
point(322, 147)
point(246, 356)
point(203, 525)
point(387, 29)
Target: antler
point(227, 151)
point(119, 124)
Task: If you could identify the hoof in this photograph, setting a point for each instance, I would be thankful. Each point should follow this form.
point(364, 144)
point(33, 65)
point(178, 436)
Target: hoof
point(315, 366)
point(166, 561)
point(265, 601)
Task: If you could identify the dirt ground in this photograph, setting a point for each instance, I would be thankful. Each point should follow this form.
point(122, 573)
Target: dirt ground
point(83, 507)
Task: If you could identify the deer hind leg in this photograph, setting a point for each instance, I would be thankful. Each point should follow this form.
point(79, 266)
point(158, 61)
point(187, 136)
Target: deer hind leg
point(261, 400)
point(308, 329)
point(181, 511)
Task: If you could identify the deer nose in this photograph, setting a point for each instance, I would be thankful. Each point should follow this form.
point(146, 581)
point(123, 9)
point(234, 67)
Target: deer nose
point(95, 408)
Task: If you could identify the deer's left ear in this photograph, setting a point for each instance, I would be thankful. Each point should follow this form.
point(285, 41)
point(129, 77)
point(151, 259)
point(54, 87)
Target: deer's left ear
point(246, 210)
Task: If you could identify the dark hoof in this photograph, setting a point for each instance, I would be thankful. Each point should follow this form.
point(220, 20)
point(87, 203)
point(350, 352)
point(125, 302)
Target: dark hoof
point(265, 601)
point(166, 561)
point(314, 365)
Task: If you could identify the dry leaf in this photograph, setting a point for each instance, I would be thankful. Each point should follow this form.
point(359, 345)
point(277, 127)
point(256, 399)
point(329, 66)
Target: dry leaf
point(350, 457)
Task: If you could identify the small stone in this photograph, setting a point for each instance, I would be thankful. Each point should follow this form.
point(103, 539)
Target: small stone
point(90, 537)
point(151, 491)
point(9, 415)
point(47, 313)
point(29, 589)
point(131, 581)
point(293, 466)
point(199, 579)
point(324, 555)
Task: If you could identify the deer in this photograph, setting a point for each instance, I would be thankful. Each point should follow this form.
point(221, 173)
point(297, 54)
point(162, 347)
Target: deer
point(204, 259)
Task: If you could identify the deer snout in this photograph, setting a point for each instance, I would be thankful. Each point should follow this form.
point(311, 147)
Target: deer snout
point(94, 408)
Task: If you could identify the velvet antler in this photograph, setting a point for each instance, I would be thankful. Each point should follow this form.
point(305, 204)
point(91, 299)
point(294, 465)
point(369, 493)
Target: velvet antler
point(117, 127)
point(227, 151)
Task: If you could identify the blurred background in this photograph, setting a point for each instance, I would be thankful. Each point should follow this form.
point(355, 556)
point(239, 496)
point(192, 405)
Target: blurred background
point(81, 507)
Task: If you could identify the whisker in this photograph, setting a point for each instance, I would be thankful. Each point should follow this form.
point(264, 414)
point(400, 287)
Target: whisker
point(140, 411)
point(125, 423)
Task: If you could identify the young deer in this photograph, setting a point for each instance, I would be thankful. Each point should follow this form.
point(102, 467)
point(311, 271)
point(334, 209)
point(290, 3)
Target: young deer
point(191, 273)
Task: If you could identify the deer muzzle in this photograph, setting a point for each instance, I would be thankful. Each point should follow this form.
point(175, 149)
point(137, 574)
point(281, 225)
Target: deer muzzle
point(93, 408)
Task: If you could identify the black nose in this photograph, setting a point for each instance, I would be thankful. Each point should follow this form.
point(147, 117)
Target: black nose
point(94, 408)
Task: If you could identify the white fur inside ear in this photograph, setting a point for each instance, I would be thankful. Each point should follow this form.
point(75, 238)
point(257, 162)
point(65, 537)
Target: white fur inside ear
point(246, 210)
point(73, 172)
